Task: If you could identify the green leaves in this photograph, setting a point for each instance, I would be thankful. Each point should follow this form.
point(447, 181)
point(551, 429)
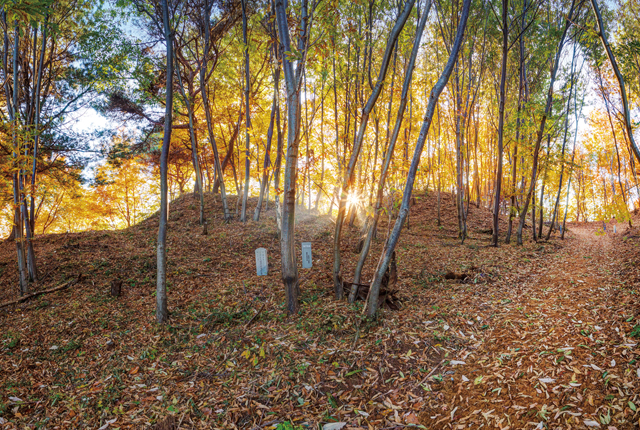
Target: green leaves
point(31, 11)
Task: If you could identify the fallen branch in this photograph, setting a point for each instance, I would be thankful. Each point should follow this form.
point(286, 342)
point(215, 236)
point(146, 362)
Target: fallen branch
point(38, 293)
point(255, 316)
point(429, 374)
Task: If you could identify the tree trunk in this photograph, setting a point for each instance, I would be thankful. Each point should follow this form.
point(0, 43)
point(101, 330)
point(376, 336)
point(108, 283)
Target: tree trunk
point(291, 77)
point(230, 151)
point(162, 313)
point(207, 110)
point(267, 159)
point(321, 186)
point(439, 218)
point(503, 80)
point(372, 225)
point(374, 291)
point(543, 121)
point(36, 139)
point(544, 182)
point(247, 114)
point(616, 70)
point(278, 164)
point(194, 145)
point(564, 144)
point(521, 83)
point(350, 170)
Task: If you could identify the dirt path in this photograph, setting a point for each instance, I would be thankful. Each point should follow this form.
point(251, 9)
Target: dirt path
point(553, 352)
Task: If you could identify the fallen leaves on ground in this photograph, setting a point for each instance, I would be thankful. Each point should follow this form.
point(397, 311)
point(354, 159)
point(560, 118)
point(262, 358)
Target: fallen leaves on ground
point(539, 336)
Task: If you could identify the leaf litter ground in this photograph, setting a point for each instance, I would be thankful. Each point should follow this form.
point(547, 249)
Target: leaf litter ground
point(539, 336)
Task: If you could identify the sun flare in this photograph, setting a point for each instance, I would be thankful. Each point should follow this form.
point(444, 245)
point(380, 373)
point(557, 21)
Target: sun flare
point(353, 199)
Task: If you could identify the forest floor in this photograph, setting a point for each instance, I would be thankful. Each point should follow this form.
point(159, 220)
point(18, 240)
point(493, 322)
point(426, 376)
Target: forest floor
point(539, 336)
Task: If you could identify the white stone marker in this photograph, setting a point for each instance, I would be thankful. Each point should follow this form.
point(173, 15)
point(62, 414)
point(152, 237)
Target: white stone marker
point(262, 265)
point(307, 262)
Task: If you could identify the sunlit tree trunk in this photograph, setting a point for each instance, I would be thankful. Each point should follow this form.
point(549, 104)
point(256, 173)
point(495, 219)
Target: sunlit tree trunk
point(267, 160)
point(350, 170)
point(36, 138)
point(514, 168)
point(462, 225)
point(229, 156)
point(372, 225)
point(11, 104)
point(207, 110)
point(321, 185)
point(291, 77)
point(503, 96)
point(544, 182)
point(566, 205)
point(607, 103)
point(439, 217)
point(247, 114)
point(194, 145)
point(278, 163)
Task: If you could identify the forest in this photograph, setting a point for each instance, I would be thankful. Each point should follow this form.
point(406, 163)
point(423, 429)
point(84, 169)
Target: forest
point(292, 214)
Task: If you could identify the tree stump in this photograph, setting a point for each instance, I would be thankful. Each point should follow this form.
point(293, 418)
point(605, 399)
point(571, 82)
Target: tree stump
point(116, 288)
point(388, 297)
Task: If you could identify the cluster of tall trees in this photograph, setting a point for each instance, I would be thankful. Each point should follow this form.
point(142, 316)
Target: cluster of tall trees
point(318, 105)
point(56, 56)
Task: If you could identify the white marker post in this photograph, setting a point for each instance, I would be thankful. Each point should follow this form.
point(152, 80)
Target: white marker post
point(307, 261)
point(262, 266)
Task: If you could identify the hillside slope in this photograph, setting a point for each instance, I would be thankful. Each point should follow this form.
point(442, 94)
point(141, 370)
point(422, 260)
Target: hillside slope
point(230, 358)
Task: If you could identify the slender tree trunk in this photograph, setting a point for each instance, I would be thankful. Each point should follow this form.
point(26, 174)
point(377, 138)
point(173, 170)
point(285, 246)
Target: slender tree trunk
point(462, 225)
point(543, 121)
point(534, 232)
point(162, 313)
point(566, 205)
point(605, 97)
point(564, 144)
point(247, 114)
point(267, 160)
point(503, 80)
point(374, 292)
point(372, 225)
point(194, 145)
point(278, 163)
point(350, 170)
point(230, 152)
point(207, 111)
point(614, 65)
point(439, 220)
point(12, 109)
point(36, 139)
point(321, 186)
point(514, 168)
point(291, 77)
point(544, 182)
point(335, 121)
